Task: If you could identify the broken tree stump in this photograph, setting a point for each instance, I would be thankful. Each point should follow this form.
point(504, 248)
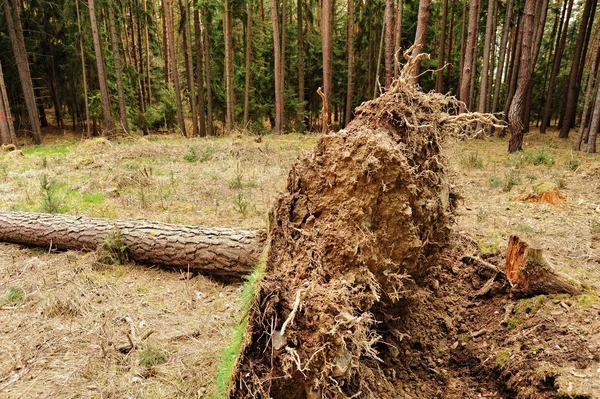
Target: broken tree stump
point(530, 274)
point(215, 251)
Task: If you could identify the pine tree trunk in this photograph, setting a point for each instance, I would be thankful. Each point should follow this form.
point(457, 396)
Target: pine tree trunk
point(470, 46)
point(118, 68)
point(540, 18)
point(514, 72)
point(276, 67)
point(327, 47)
point(165, 32)
point(588, 94)
point(594, 119)
point(389, 42)
point(220, 252)
point(450, 44)
point(109, 128)
point(282, 60)
point(54, 89)
point(248, 56)
point(485, 70)
point(147, 48)
point(421, 34)
point(174, 71)
point(441, 57)
point(208, 69)
point(350, 58)
point(560, 48)
point(515, 113)
point(570, 106)
point(40, 106)
point(503, 55)
point(15, 32)
point(398, 40)
point(228, 37)
point(83, 74)
point(300, 29)
point(199, 70)
point(463, 46)
point(189, 64)
point(7, 132)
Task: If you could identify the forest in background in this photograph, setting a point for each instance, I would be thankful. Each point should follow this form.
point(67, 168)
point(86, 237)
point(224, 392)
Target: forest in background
point(108, 68)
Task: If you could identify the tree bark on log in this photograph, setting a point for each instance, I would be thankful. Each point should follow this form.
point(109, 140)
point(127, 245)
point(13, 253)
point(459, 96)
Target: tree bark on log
point(216, 251)
point(530, 274)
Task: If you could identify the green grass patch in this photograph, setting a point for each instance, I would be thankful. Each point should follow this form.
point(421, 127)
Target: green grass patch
point(502, 357)
point(510, 180)
point(472, 161)
point(226, 367)
point(151, 356)
point(588, 300)
point(14, 296)
point(93, 198)
point(46, 150)
point(521, 228)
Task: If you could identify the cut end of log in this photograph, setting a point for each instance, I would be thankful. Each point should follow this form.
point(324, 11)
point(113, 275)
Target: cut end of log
point(530, 274)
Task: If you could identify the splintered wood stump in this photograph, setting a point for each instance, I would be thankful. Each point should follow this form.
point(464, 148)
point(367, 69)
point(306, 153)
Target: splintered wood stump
point(530, 274)
point(216, 251)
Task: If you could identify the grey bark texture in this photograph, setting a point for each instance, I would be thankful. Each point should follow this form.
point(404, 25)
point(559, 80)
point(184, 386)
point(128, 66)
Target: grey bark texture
point(216, 251)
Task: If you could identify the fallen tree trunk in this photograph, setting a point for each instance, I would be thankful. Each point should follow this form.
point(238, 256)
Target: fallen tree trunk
point(365, 216)
point(530, 274)
point(222, 252)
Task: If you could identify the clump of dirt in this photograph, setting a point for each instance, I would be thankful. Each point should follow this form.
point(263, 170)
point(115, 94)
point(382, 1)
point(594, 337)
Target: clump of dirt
point(364, 219)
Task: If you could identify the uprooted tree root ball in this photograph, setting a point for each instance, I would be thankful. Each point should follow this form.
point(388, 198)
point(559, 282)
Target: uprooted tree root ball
point(365, 216)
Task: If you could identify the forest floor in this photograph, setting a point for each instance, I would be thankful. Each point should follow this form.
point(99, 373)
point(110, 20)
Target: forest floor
point(66, 318)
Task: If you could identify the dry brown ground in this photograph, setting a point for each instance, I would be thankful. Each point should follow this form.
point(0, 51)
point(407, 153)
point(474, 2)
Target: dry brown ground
point(62, 339)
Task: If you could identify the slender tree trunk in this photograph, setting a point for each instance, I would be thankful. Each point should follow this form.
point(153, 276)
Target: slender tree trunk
point(376, 85)
point(450, 44)
point(165, 30)
point(421, 34)
point(147, 47)
point(174, 71)
point(184, 7)
point(350, 58)
point(7, 130)
point(282, 60)
point(40, 106)
point(441, 57)
point(15, 32)
point(588, 93)
point(228, 37)
point(558, 55)
point(502, 56)
point(54, 89)
point(517, 51)
point(574, 85)
point(83, 73)
point(473, 103)
point(276, 67)
point(327, 47)
point(248, 56)
point(470, 48)
point(515, 114)
point(463, 46)
point(199, 70)
point(485, 70)
point(118, 68)
point(108, 121)
point(541, 14)
point(208, 69)
point(300, 18)
point(398, 40)
point(389, 42)
point(595, 122)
